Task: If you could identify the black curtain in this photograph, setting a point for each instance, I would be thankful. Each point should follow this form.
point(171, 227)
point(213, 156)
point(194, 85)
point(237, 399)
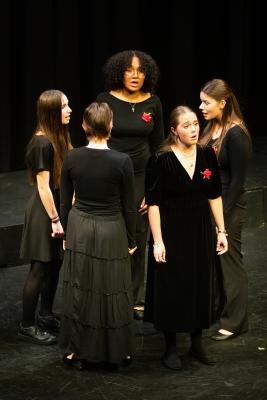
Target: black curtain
point(63, 44)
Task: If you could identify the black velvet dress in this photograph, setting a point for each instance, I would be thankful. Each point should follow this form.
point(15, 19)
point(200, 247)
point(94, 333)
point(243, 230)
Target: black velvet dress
point(179, 295)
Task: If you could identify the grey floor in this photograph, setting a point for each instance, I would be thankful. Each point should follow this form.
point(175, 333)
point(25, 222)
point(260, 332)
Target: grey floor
point(32, 372)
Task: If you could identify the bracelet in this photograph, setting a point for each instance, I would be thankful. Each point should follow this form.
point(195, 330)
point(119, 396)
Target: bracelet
point(55, 220)
point(222, 231)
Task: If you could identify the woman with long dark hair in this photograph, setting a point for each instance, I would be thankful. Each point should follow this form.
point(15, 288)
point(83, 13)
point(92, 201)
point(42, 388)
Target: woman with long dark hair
point(42, 227)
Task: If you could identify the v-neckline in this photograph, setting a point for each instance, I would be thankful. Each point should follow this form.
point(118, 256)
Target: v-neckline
point(175, 156)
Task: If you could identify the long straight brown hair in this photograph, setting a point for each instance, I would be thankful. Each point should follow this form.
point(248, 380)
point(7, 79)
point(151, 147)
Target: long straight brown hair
point(49, 123)
point(218, 89)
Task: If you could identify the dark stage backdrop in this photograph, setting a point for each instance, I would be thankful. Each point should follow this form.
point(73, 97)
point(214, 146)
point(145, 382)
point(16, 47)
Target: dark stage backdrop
point(63, 44)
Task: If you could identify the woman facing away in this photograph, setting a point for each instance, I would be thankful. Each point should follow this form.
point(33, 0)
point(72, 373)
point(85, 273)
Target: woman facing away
point(227, 133)
point(131, 77)
point(42, 227)
point(182, 191)
point(97, 319)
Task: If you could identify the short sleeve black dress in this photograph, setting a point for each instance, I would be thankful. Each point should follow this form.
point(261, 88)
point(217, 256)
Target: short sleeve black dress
point(37, 243)
point(179, 292)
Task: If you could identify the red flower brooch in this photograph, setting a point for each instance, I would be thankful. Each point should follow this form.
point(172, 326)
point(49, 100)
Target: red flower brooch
point(206, 174)
point(146, 117)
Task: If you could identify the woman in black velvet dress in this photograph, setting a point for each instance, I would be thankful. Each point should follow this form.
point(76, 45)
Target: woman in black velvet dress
point(131, 77)
point(182, 189)
point(227, 133)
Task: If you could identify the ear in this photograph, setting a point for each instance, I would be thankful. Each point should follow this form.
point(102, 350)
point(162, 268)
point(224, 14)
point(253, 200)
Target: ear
point(222, 104)
point(173, 131)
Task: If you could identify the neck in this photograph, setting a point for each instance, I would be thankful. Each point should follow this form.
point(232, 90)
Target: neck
point(186, 149)
point(131, 96)
point(98, 143)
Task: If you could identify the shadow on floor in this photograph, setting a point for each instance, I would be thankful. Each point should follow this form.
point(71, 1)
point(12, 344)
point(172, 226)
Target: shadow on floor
point(31, 372)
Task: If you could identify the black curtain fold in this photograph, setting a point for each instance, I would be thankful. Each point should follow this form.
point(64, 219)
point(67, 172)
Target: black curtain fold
point(63, 44)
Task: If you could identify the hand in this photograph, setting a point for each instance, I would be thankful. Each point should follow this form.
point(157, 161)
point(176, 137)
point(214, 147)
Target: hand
point(131, 251)
point(64, 244)
point(222, 243)
point(143, 207)
point(57, 230)
point(159, 252)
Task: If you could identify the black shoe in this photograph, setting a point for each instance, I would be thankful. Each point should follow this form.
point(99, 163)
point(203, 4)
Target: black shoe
point(139, 315)
point(172, 361)
point(49, 322)
point(34, 335)
point(220, 336)
point(77, 363)
point(201, 356)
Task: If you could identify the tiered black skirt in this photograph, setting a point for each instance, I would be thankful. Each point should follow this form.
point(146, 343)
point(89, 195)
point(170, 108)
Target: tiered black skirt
point(97, 304)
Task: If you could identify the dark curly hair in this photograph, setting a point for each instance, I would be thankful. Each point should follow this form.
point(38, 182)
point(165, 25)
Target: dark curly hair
point(116, 65)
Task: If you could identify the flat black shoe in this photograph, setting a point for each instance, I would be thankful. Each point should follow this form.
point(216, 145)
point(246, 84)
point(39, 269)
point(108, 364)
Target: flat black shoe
point(172, 361)
point(77, 363)
point(35, 335)
point(49, 322)
point(138, 315)
point(201, 356)
point(220, 336)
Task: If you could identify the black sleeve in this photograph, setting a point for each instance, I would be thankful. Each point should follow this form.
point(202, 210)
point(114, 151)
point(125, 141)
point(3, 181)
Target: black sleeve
point(214, 187)
point(41, 156)
point(238, 149)
point(153, 182)
point(128, 201)
point(66, 193)
point(157, 135)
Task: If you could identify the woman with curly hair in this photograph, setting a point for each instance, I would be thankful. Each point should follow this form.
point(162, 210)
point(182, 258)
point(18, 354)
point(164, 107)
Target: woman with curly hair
point(130, 80)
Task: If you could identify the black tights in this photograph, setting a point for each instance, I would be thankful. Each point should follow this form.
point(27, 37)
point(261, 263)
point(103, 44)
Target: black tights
point(42, 280)
point(170, 340)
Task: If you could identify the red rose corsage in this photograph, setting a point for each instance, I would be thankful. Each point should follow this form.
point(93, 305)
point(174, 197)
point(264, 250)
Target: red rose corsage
point(146, 117)
point(206, 174)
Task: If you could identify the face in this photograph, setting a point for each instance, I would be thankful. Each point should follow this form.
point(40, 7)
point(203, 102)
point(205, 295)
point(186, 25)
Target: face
point(133, 79)
point(65, 111)
point(211, 108)
point(187, 130)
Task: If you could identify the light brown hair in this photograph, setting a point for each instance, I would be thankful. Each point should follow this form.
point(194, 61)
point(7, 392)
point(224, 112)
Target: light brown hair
point(97, 118)
point(174, 121)
point(218, 89)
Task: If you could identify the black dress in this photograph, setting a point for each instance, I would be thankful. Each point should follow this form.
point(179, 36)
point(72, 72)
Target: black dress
point(97, 315)
point(37, 243)
point(179, 292)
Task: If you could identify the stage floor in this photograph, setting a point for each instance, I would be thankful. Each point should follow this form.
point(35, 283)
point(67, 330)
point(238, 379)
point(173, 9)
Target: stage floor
point(32, 372)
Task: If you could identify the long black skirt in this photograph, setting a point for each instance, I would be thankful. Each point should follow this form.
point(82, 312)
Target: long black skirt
point(97, 305)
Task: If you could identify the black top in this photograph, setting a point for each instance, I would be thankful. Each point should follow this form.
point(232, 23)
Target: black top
point(137, 133)
point(233, 162)
point(103, 182)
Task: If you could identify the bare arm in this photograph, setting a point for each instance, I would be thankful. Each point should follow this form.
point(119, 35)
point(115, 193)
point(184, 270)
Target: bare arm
point(217, 211)
point(48, 202)
point(155, 226)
